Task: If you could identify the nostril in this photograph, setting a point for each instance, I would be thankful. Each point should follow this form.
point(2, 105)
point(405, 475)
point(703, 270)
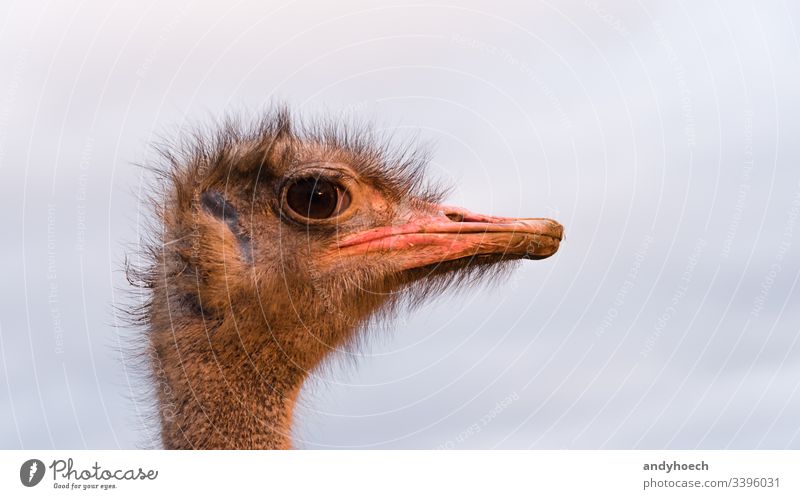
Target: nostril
point(454, 216)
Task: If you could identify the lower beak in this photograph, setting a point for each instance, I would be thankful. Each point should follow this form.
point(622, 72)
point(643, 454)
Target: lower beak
point(453, 233)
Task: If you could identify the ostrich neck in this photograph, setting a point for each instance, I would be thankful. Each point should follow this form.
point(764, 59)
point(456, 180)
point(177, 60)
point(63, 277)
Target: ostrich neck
point(217, 390)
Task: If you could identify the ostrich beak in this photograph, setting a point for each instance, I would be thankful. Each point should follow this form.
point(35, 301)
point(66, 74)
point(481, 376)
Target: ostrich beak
point(453, 233)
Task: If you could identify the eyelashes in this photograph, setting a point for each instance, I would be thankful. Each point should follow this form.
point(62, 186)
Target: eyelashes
point(316, 198)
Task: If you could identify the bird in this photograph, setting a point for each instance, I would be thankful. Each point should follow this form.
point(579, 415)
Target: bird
point(272, 244)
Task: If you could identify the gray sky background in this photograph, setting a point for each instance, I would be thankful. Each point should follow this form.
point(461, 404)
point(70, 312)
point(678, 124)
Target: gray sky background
point(663, 135)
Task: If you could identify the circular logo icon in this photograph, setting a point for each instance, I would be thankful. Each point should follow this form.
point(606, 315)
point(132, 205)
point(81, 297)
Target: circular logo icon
point(31, 472)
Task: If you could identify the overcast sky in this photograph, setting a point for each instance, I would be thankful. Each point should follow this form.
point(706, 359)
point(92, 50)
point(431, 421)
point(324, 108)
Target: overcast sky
point(663, 135)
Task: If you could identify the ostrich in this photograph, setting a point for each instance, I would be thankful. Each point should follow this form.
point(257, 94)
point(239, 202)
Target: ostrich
point(273, 245)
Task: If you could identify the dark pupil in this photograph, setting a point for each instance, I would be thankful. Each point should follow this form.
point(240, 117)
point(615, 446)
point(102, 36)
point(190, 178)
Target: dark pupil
point(313, 198)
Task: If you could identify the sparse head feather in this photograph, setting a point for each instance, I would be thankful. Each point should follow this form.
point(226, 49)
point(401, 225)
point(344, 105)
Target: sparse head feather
point(269, 145)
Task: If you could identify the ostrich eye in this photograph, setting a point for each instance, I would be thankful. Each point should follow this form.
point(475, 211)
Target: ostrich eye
point(316, 198)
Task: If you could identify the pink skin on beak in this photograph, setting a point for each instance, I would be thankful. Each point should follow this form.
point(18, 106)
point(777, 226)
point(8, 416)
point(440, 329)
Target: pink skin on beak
point(454, 233)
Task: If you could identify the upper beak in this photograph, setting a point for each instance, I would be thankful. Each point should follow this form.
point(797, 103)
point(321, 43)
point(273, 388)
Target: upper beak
point(446, 233)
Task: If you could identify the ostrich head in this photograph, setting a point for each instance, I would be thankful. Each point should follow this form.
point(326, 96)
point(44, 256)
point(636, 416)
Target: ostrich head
point(274, 247)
